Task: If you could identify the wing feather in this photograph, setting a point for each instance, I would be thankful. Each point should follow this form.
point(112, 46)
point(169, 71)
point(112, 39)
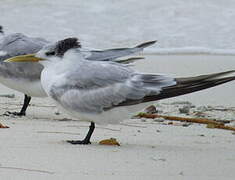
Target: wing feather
point(96, 87)
point(112, 54)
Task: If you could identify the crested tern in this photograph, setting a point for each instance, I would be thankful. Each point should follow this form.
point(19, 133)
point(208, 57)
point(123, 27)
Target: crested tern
point(25, 77)
point(106, 92)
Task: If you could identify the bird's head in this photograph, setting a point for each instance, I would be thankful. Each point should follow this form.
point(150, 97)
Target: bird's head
point(51, 52)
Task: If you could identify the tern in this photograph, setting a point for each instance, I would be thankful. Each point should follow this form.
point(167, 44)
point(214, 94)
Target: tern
point(106, 92)
point(25, 77)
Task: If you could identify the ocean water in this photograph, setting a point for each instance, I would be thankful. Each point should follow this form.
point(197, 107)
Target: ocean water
point(180, 26)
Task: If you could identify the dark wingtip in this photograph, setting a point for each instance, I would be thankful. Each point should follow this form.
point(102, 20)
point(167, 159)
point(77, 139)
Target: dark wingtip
point(64, 45)
point(178, 90)
point(204, 77)
point(146, 44)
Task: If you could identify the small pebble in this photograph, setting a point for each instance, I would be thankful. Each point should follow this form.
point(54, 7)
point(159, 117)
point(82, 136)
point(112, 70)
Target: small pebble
point(202, 135)
point(186, 124)
point(184, 110)
point(202, 108)
point(57, 112)
point(162, 159)
point(158, 159)
point(151, 109)
point(181, 173)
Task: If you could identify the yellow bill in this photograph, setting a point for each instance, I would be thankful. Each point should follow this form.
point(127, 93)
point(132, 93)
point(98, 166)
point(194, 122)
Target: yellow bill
point(24, 58)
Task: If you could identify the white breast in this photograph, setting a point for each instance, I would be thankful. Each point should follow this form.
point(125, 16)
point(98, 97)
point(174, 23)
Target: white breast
point(33, 89)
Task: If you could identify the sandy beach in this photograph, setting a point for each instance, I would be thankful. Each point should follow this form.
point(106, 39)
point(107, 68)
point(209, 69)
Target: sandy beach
point(193, 38)
point(34, 147)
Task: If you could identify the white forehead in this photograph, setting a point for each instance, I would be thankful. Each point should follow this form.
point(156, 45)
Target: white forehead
point(45, 49)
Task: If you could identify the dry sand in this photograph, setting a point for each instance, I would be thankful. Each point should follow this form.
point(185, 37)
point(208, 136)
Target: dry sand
point(34, 146)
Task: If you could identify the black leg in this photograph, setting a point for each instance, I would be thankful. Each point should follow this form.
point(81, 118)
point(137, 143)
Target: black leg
point(87, 138)
point(23, 109)
point(25, 105)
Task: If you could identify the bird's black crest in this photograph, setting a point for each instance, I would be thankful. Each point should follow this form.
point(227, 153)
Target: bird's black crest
point(64, 45)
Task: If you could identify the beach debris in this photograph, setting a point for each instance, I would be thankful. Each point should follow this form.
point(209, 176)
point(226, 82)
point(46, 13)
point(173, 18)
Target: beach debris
point(183, 124)
point(185, 109)
point(158, 159)
point(220, 126)
point(176, 118)
point(199, 114)
point(211, 123)
point(3, 126)
point(7, 95)
point(111, 142)
point(224, 121)
point(202, 135)
point(181, 173)
point(151, 109)
point(56, 111)
point(187, 124)
point(202, 108)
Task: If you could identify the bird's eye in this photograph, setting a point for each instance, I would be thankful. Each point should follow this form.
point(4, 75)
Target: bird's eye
point(51, 53)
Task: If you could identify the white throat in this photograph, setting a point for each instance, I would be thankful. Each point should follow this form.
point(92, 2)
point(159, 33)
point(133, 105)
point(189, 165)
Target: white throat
point(55, 67)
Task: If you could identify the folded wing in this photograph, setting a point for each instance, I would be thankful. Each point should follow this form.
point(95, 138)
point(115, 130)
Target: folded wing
point(105, 86)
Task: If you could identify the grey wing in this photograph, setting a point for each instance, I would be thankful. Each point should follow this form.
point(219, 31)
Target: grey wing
point(106, 86)
point(112, 54)
point(19, 44)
